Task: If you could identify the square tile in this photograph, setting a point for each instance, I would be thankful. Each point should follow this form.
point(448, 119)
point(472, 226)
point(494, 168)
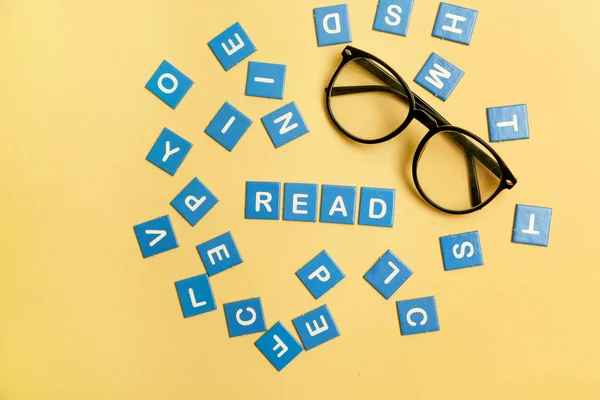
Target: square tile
point(320, 274)
point(195, 295)
point(155, 236)
point(194, 201)
point(377, 207)
point(418, 316)
point(169, 84)
point(316, 327)
point(439, 77)
point(508, 123)
point(532, 225)
point(169, 151)
point(332, 25)
point(278, 346)
point(300, 202)
point(228, 126)
point(245, 317)
point(263, 200)
point(232, 46)
point(285, 124)
point(393, 16)
point(265, 80)
point(388, 274)
point(455, 23)
point(461, 251)
point(338, 204)
point(219, 254)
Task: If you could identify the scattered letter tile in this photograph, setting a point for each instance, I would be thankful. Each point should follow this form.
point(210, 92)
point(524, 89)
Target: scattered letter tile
point(532, 225)
point(455, 23)
point(278, 346)
point(232, 46)
point(285, 124)
point(219, 254)
point(169, 84)
point(156, 236)
point(388, 274)
point(338, 204)
point(194, 201)
point(461, 251)
point(377, 207)
point(228, 126)
point(265, 80)
point(332, 25)
point(418, 315)
point(262, 200)
point(508, 123)
point(439, 77)
point(316, 327)
point(300, 202)
point(393, 16)
point(245, 317)
point(320, 274)
point(169, 151)
point(195, 295)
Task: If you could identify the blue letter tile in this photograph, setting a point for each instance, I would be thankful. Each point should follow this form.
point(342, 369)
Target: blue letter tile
point(195, 295)
point(455, 23)
point(320, 274)
point(393, 16)
point(532, 225)
point(219, 254)
point(388, 274)
point(316, 327)
point(285, 124)
point(169, 151)
point(278, 346)
point(155, 236)
point(332, 24)
point(245, 317)
point(194, 201)
point(262, 200)
point(228, 126)
point(508, 123)
point(232, 46)
point(461, 251)
point(338, 204)
point(377, 207)
point(300, 202)
point(418, 316)
point(439, 77)
point(169, 84)
point(265, 80)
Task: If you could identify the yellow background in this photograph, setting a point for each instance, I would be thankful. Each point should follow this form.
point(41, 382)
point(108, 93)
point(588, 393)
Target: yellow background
point(83, 316)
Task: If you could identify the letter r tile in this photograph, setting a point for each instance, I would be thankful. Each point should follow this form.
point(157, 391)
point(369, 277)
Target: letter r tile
point(219, 254)
point(194, 201)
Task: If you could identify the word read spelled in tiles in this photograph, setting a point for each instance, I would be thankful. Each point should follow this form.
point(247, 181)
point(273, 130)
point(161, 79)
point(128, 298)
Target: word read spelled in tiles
point(316, 327)
point(455, 23)
point(388, 274)
point(194, 201)
point(300, 202)
point(332, 25)
point(418, 316)
point(508, 123)
point(228, 126)
point(265, 80)
point(262, 200)
point(439, 77)
point(195, 295)
point(278, 346)
point(376, 207)
point(320, 274)
point(532, 225)
point(245, 317)
point(232, 46)
point(338, 204)
point(169, 84)
point(219, 254)
point(285, 124)
point(461, 251)
point(169, 151)
point(393, 16)
point(156, 236)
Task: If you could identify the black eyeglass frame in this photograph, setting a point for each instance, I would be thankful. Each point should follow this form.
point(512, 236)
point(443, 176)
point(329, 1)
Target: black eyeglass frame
point(424, 113)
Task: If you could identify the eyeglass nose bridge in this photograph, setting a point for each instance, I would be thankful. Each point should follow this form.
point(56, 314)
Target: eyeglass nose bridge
point(426, 119)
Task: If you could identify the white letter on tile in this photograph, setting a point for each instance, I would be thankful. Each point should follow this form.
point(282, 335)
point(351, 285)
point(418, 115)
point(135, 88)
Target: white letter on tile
point(163, 88)
point(514, 123)
point(455, 19)
point(528, 231)
point(395, 15)
point(263, 198)
point(372, 209)
point(161, 234)
point(245, 322)
point(217, 250)
point(280, 345)
point(286, 118)
point(318, 329)
point(296, 203)
point(393, 274)
point(168, 151)
point(338, 205)
point(321, 273)
point(417, 311)
point(434, 79)
point(463, 247)
point(195, 303)
point(193, 203)
point(234, 47)
point(336, 20)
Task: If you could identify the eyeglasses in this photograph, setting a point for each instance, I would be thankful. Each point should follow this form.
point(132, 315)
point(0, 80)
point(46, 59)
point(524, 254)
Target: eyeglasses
point(453, 169)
